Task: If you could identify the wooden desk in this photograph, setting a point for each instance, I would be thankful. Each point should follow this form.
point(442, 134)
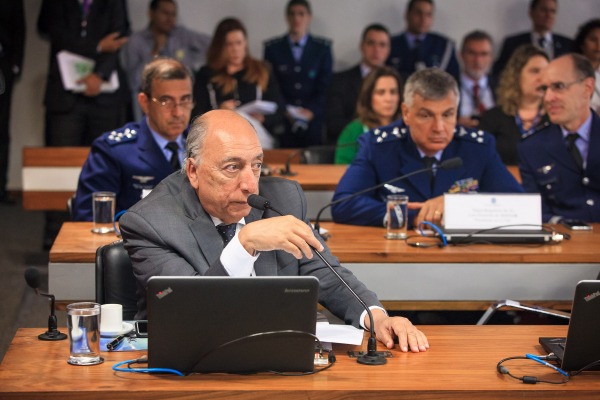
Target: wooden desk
point(404, 277)
point(50, 175)
point(460, 364)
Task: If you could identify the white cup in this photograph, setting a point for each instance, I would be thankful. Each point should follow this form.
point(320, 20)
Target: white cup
point(111, 318)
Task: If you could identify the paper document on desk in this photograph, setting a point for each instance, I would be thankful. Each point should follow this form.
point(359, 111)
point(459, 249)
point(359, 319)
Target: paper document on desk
point(73, 67)
point(346, 334)
point(258, 107)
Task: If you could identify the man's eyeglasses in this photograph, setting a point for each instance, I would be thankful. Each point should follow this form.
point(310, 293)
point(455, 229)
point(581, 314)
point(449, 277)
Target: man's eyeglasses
point(169, 103)
point(559, 87)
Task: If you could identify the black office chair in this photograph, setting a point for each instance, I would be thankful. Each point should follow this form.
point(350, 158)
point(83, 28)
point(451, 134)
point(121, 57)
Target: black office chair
point(318, 155)
point(115, 282)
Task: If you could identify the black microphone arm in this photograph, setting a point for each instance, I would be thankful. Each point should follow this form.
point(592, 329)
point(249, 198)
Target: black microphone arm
point(286, 171)
point(372, 357)
point(451, 163)
point(32, 276)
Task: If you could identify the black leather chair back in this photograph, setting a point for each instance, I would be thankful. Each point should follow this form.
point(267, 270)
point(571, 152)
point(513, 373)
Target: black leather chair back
point(115, 282)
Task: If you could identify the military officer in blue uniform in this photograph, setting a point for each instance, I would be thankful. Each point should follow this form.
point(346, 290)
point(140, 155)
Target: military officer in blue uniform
point(418, 48)
point(562, 161)
point(427, 134)
point(302, 64)
point(132, 160)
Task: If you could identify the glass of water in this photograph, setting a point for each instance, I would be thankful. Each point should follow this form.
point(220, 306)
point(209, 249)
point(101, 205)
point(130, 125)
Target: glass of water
point(104, 211)
point(397, 216)
point(83, 321)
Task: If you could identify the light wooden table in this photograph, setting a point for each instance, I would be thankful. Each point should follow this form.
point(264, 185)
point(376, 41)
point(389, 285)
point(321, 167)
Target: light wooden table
point(460, 364)
point(404, 277)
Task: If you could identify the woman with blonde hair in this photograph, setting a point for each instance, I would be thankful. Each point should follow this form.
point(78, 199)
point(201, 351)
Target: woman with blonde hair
point(519, 111)
point(378, 105)
point(232, 78)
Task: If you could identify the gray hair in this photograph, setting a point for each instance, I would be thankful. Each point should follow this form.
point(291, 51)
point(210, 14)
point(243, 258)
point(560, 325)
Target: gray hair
point(163, 69)
point(431, 84)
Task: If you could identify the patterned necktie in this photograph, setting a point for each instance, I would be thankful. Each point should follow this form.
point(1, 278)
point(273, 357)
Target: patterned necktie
point(573, 150)
point(227, 232)
point(477, 104)
point(429, 163)
point(174, 161)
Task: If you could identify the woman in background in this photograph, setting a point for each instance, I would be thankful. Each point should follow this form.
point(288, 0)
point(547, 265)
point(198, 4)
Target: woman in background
point(232, 78)
point(519, 111)
point(587, 42)
point(378, 105)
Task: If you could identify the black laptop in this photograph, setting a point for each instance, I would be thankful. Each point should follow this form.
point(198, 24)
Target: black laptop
point(582, 344)
point(226, 324)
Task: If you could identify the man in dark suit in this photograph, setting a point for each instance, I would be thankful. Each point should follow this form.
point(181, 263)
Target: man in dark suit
point(199, 223)
point(418, 48)
point(426, 136)
point(12, 47)
point(562, 161)
point(133, 159)
point(91, 29)
point(476, 85)
point(302, 64)
point(543, 15)
point(345, 85)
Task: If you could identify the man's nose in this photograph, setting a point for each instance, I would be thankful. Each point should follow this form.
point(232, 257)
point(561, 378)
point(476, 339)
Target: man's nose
point(248, 180)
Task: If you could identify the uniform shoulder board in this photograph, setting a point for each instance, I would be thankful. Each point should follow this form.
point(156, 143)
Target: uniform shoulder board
point(273, 41)
point(323, 41)
point(537, 129)
point(122, 136)
point(472, 135)
point(388, 134)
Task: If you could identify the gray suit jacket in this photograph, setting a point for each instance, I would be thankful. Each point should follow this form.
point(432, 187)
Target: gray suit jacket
point(169, 233)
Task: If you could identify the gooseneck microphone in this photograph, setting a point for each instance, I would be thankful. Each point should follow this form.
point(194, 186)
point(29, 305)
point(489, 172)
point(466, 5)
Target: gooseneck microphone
point(450, 163)
point(33, 279)
point(372, 357)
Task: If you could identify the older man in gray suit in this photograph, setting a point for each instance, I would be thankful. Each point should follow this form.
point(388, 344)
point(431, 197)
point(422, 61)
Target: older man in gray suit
point(199, 223)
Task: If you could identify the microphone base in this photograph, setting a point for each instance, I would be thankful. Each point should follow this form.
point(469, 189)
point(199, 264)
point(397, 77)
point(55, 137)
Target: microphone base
point(290, 173)
point(50, 336)
point(372, 359)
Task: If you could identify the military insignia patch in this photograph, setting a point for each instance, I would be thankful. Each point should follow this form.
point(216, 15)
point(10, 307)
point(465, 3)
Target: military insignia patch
point(464, 186)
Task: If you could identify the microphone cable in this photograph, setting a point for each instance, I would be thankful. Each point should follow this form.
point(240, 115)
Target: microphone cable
point(438, 237)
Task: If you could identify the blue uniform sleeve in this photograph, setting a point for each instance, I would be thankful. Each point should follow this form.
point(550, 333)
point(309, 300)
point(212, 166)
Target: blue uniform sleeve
point(366, 209)
point(496, 177)
point(101, 172)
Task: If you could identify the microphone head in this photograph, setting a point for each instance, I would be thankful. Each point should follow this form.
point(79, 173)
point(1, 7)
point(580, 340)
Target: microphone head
point(451, 163)
point(258, 202)
point(33, 277)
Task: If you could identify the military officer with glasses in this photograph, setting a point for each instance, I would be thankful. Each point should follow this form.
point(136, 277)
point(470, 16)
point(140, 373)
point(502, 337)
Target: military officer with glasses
point(562, 161)
point(133, 159)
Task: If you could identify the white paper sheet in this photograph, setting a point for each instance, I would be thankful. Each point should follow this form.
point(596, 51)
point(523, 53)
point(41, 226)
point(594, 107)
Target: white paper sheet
point(346, 334)
point(73, 67)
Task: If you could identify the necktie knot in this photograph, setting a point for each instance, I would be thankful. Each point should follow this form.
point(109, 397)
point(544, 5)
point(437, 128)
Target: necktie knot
point(227, 232)
point(173, 147)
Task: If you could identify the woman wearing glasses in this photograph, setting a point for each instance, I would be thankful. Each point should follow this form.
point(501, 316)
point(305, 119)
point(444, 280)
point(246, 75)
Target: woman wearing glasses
point(519, 111)
point(233, 78)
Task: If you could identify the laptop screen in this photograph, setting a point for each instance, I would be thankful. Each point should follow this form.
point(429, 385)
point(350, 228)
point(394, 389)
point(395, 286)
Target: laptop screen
point(226, 324)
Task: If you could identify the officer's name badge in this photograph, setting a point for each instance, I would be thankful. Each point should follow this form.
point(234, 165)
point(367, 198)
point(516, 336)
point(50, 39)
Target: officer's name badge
point(464, 186)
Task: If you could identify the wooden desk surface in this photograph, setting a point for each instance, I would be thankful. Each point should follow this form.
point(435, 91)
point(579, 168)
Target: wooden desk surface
point(359, 244)
point(460, 364)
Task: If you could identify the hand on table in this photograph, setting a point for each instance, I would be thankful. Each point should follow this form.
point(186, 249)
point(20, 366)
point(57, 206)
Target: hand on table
point(431, 210)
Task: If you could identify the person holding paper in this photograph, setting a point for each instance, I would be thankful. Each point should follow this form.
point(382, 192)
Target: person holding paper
point(426, 135)
point(232, 77)
point(133, 159)
point(562, 161)
point(199, 222)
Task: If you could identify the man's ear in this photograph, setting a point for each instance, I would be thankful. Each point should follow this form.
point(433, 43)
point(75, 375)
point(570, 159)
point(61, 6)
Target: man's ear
point(191, 170)
point(143, 101)
point(405, 114)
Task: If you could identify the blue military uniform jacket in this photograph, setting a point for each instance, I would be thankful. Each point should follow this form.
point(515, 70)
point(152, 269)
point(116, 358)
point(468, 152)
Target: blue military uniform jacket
point(125, 161)
point(435, 51)
point(389, 152)
point(303, 83)
point(548, 168)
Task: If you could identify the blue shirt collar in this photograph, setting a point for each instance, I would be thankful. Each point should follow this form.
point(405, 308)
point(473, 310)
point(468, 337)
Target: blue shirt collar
point(162, 142)
point(583, 131)
point(301, 42)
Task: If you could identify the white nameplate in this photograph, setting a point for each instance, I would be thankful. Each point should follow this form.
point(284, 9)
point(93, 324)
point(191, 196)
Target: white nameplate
point(489, 210)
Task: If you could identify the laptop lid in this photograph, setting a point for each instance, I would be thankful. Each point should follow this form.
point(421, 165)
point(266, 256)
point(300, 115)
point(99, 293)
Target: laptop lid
point(226, 324)
point(582, 345)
